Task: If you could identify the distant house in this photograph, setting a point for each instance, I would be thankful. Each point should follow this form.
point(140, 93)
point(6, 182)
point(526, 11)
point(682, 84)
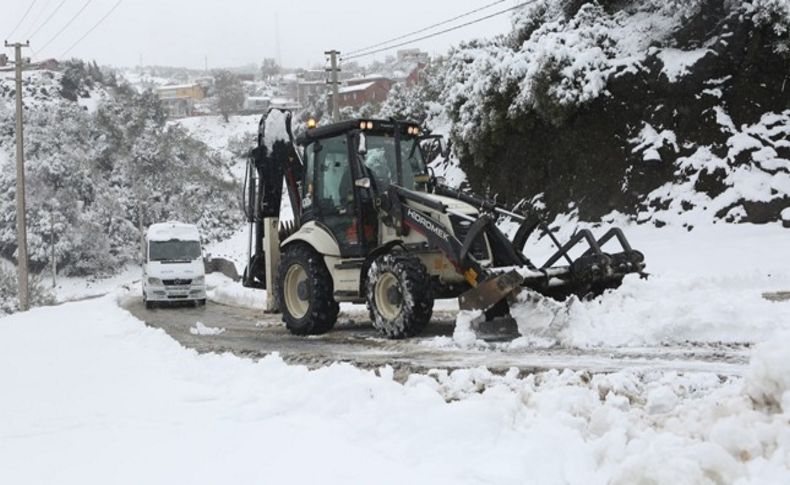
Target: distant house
point(179, 100)
point(364, 91)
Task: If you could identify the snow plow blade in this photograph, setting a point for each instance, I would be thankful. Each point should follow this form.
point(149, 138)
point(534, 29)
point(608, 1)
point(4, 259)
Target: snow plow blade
point(490, 292)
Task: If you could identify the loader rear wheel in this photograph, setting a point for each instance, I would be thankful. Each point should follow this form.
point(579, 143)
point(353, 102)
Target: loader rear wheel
point(304, 292)
point(399, 295)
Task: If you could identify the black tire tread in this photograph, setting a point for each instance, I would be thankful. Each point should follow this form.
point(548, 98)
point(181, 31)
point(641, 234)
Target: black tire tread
point(322, 314)
point(414, 278)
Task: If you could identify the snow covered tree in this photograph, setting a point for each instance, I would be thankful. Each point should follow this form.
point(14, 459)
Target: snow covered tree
point(9, 289)
point(405, 102)
point(229, 93)
point(269, 69)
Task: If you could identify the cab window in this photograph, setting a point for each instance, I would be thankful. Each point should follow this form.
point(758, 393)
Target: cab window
point(381, 160)
point(333, 182)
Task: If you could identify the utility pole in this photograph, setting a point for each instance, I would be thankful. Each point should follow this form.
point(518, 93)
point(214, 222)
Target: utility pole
point(21, 222)
point(52, 260)
point(277, 50)
point(335, 82)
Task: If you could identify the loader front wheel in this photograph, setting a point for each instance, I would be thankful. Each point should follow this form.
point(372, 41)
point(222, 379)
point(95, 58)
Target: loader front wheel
point(304, 292)
point(399, 295)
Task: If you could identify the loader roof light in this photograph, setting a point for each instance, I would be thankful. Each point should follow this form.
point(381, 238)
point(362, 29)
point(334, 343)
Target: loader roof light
point(311, 123)
point(370, 125)
point(362, 125)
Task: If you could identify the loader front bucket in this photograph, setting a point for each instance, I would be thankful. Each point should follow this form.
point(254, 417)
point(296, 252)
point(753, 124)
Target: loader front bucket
point(590, 274)
point(490, 292)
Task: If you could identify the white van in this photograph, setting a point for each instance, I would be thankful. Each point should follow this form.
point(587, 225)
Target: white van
point(173, 267)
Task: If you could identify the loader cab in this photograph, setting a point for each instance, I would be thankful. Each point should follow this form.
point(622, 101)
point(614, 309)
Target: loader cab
point(346, 166)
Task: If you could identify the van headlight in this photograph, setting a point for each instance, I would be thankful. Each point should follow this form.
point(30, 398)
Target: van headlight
point(155, 282)
point(200, 280)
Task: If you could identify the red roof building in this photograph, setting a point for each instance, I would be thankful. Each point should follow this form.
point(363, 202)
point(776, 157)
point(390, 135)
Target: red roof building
point(360, 93)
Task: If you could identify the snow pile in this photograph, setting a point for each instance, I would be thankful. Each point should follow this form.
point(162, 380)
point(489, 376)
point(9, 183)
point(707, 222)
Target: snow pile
point(225, 291)
point(202, 329)
point(769, 372)
point(667, 309)
point(87, 379)
point(705, 286)
point(464, 333)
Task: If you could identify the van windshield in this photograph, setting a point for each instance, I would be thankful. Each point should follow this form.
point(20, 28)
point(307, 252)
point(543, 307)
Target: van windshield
point(173, 251)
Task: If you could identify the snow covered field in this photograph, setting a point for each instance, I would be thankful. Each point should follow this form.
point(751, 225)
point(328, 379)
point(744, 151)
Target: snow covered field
point(91, 395)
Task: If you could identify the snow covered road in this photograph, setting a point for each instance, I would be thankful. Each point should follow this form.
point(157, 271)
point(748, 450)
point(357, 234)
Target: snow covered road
point(251, 333)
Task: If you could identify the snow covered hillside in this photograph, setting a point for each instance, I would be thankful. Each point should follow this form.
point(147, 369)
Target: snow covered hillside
point(112, 167)
point(88, 380)
point(675, 111)
point(232, 139)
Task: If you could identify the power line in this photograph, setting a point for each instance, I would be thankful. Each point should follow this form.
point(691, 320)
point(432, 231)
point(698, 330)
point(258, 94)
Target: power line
point(92, 28)
point(34, 20)
point(22, 19)
point(430, 27)
point(456, 27)
point(47, 20)
point(41, 49)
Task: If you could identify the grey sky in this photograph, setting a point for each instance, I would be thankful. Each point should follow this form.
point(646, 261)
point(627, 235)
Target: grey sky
point(229, 33)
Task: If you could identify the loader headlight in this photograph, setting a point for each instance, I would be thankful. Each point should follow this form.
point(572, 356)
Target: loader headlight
point(155, 282)
point(311, 123)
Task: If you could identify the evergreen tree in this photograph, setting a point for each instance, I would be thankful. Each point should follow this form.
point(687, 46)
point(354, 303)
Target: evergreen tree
point(229, 93)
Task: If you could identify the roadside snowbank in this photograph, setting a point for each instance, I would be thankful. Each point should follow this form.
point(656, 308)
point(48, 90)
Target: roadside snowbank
point(79, 288)
point(769, 372)
point(706, 285)
point(225, 291)
point(91, 395)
